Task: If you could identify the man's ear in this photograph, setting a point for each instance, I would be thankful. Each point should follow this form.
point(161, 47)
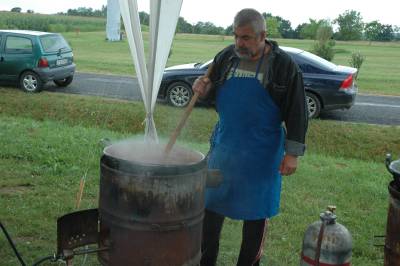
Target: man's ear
point(263, 35)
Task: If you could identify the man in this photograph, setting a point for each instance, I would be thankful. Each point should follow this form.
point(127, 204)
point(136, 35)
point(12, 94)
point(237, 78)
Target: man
point(259, 96)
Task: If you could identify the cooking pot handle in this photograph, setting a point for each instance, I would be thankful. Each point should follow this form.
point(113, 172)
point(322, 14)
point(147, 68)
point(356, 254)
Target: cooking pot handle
point(214, 178)
point(387, 162)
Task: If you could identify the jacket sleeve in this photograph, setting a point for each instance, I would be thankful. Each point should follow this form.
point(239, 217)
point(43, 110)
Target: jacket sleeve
point(295, 113)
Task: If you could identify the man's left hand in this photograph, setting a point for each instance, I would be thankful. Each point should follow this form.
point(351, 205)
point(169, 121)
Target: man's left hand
point(288, 165)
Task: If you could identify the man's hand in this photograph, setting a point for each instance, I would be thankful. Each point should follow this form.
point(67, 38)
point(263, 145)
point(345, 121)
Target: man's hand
point(202, 86)
point(288, 165)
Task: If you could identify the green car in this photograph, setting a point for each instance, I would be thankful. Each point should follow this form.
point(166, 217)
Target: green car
point(33, 58)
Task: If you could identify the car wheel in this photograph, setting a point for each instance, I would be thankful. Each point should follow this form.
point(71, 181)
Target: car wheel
point(179, 94)
point(313, 105)
point(30, 82)
point(64, 82)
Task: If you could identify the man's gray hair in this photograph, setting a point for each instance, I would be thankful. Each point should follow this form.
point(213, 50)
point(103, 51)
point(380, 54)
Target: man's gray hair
point(249, 16)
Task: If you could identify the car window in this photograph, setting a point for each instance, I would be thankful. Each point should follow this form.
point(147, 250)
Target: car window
point(306, 66)
point(18, 45)
point(316, 61)
point(53, 43)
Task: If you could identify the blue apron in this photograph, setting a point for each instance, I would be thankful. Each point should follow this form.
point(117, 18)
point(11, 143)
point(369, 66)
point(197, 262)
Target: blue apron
point(247, 146)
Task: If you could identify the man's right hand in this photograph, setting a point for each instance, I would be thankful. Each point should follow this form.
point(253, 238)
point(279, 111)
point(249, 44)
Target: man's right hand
point(202, 86)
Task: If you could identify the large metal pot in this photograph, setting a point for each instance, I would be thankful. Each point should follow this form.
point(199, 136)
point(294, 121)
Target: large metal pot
point(392, 241)
point(151, 208)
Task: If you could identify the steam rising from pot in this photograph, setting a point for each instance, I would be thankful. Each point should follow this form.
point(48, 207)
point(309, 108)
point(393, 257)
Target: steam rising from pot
point(152, 153)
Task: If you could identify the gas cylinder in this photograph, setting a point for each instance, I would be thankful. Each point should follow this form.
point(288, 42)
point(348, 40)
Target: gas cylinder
point(326, 242)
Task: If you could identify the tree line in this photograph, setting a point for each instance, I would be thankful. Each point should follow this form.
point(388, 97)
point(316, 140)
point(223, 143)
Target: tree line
point(86, 12)
point(350, 26)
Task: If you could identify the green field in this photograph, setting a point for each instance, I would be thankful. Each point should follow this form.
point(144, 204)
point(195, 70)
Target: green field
point(50, 140)
point(52, 23)
point(378, 74)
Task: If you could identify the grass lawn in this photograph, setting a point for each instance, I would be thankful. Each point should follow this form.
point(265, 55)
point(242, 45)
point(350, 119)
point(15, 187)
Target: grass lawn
point(378, 74)
point(50, 140)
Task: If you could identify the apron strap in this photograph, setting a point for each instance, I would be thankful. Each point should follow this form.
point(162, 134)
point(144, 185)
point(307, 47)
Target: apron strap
point(260, 62)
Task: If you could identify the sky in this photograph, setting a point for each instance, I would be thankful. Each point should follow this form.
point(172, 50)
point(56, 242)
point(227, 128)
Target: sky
point(221, 12)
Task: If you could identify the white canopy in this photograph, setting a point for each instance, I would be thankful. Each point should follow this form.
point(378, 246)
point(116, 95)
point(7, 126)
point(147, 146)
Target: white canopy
point(164, 15)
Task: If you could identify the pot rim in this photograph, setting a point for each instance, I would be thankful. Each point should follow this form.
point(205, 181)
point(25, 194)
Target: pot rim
point(152, 169)
point(395, 168)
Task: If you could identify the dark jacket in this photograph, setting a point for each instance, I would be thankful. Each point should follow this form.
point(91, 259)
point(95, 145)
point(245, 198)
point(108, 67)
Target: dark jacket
point(284, 81)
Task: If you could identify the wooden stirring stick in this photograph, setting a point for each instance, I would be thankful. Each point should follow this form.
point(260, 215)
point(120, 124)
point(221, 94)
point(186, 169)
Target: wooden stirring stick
point(185, 116)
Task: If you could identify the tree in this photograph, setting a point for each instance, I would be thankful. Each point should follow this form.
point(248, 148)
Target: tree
point(375, 31)
point(16, 9)
point(324, 31)
point(350, 25)
point(324, 44)
point(371, 30)
point(100, 12)
point(197, 28)
point(298, 30)
point(309, 30)
point(30, 11)
point(285, 28)
point(144, 18)
point(87, 12)
point(183, 26)
point(278, 27)
point(396, 33)
point(229, 30)
point(273, 27)
point(210, 28)
point(386, 33)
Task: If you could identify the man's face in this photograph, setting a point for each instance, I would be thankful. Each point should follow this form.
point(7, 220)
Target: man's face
point(248, 45)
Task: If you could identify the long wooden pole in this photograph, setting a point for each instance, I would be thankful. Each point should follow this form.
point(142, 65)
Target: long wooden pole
point(184, 118)
point(182, 122)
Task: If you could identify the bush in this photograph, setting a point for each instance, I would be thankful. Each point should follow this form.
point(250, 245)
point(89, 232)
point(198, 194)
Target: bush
point(356, 61)
point(324, 50)
point(323, 46)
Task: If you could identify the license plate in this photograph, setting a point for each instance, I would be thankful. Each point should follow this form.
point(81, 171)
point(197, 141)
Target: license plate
point(61, 62)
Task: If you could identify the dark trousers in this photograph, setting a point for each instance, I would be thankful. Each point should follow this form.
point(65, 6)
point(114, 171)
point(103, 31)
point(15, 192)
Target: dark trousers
point(253, 233)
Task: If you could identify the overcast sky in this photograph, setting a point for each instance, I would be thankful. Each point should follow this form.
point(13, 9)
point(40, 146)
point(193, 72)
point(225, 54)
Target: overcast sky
point(221, 12)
